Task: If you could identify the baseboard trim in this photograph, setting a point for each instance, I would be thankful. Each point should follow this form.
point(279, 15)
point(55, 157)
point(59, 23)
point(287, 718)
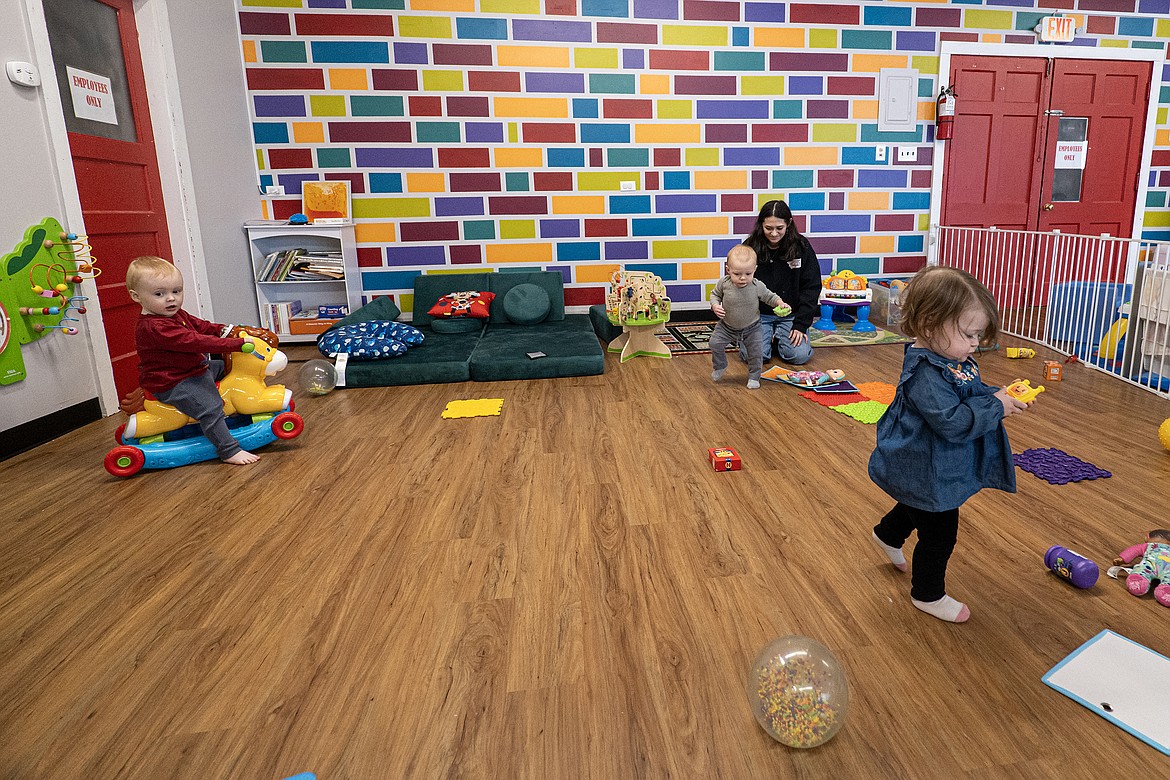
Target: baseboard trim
point(36, 432)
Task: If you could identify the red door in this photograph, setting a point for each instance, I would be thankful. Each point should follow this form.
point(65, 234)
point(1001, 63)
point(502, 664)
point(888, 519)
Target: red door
point(993, 169)
point(1106, 101)
point(1042, 145)
point(103, 95)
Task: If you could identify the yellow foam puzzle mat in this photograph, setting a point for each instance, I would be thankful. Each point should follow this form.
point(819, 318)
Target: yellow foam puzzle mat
point(475, 407)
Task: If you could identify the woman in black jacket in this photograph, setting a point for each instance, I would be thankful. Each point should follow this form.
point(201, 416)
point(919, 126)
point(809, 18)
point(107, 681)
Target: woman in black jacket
point(787, 264)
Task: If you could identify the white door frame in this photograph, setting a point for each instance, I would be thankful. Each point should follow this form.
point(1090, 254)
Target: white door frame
point(173, 163)
point(1036, 50)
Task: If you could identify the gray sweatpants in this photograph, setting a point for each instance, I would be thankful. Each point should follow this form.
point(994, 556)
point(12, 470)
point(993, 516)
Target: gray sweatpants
point(748, 338)
point(198, 397)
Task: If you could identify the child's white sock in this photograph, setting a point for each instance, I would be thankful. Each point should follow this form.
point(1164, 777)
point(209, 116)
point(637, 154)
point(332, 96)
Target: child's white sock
point(945, 608)
point(753, 384)
point(893, 553)
point(717, 374)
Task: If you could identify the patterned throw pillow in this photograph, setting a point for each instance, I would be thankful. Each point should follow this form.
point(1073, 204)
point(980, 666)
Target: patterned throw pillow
point(463, 304)
point(370, 340)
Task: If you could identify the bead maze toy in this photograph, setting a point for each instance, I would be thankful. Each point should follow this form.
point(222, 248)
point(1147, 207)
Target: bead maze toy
point(38, 291)
point(159, 436)
point(637, 301)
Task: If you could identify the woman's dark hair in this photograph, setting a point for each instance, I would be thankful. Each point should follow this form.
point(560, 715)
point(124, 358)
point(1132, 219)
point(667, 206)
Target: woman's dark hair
point(791, 244)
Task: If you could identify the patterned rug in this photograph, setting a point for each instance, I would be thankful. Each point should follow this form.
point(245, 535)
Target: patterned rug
point(688, 338)
point(693, 338)
point(844, 337)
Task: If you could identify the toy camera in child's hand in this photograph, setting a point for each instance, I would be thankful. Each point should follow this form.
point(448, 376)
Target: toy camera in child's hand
point(1022, 390)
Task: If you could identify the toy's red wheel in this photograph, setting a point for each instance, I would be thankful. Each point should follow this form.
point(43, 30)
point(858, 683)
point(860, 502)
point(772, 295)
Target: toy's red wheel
point(124, 461)
point(292, 405)
point(287, 425)
point(118, 433)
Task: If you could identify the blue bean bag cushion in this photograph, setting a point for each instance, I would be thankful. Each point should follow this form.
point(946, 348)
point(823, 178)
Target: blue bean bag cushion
point(370, 340)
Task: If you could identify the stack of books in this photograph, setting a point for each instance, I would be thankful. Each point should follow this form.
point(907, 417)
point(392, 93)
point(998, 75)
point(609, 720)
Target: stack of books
point(277, 316)
point(303, 265)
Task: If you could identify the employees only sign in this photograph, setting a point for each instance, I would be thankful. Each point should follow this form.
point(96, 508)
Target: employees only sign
point(92, 96)
point(1070, 154)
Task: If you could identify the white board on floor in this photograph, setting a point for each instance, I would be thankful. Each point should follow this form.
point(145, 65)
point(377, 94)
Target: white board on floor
point(1122, 681)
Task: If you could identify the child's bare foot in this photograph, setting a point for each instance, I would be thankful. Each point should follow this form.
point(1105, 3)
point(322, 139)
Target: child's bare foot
point(242, 458)
point(945, 608)
point(895, 554)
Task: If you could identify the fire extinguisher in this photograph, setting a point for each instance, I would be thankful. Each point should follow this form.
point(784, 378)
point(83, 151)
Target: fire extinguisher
point(945, 111)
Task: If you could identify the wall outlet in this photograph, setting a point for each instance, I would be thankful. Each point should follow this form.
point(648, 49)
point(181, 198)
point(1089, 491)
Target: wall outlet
point(880, 154)
point(274, 189)
point(628, 186)
point(907, 154)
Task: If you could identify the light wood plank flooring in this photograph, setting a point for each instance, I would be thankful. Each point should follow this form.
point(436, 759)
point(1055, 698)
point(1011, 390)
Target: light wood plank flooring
point(564, 591)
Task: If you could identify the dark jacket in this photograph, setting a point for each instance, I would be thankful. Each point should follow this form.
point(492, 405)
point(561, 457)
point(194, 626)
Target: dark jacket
point(800, 287)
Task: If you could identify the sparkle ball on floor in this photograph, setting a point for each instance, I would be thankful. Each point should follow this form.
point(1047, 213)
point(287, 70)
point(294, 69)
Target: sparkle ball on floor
point(1164, 433)
point(318, 377)
point(798, 692)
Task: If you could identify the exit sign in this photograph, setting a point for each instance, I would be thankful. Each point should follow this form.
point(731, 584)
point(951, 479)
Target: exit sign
point(1056, 29)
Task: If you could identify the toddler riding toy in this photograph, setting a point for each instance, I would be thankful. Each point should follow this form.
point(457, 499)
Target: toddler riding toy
point(159, 436)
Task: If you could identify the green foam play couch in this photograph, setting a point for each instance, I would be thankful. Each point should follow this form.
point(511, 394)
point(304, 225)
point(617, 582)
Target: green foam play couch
point(526, 316)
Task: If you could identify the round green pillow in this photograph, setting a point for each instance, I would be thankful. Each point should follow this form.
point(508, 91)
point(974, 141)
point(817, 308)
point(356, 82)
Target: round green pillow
point(455, 324)
point(526, 304)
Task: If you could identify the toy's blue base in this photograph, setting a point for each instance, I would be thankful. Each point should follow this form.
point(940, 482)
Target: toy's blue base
point(188, 445)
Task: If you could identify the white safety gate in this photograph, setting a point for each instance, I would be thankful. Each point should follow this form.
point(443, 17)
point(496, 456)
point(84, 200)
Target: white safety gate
point(1105, 300)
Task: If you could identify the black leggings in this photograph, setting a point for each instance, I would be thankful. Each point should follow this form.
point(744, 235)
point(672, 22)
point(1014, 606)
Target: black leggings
point(936, 540)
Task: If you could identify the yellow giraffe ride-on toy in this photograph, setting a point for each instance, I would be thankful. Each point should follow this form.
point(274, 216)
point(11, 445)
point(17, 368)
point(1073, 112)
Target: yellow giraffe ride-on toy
point(242, 388)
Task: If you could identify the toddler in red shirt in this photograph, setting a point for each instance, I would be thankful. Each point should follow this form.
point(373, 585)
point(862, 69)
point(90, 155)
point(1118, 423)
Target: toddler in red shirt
point(172, 352)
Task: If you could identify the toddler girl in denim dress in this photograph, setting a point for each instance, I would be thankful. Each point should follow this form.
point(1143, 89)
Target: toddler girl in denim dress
point(942, 440)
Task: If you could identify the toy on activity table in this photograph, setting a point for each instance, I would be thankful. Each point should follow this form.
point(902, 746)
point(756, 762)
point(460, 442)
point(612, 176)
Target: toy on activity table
point(159, 436)
point(845, 289)
point(1020, 352)
point(1022, 390)
point(1154, 565)
point(1072, 566)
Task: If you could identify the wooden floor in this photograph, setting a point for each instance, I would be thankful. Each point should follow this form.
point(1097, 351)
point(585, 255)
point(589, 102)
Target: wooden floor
point(566, 590)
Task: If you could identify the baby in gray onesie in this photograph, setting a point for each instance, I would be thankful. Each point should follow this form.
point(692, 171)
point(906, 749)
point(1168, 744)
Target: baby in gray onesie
point(736, 302)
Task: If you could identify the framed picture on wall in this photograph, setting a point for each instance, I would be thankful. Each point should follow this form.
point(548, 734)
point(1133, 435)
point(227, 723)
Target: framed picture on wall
point(326, 202)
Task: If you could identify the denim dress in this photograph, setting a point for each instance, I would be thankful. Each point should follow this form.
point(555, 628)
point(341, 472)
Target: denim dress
point(942, 439)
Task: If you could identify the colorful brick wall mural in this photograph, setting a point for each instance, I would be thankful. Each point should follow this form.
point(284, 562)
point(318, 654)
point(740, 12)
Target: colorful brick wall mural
point(584, 135)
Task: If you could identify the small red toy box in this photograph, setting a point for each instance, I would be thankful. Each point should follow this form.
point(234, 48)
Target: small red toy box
point(724, 459)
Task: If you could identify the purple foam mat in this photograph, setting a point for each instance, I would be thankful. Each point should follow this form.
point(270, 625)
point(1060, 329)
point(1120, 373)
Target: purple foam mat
point(1057, 466)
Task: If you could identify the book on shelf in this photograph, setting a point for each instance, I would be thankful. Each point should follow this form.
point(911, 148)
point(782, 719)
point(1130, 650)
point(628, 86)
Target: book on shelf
point(301, 265)
point(277, 316)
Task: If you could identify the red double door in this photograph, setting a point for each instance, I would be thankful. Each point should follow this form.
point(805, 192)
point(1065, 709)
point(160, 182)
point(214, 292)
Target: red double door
point(1044, 144)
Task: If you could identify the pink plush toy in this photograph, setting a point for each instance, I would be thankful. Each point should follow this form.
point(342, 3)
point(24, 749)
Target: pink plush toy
point(1154, 565)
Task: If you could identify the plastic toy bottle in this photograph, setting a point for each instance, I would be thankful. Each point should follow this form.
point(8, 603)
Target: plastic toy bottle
point(1074, 567)
point(1020, 352)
